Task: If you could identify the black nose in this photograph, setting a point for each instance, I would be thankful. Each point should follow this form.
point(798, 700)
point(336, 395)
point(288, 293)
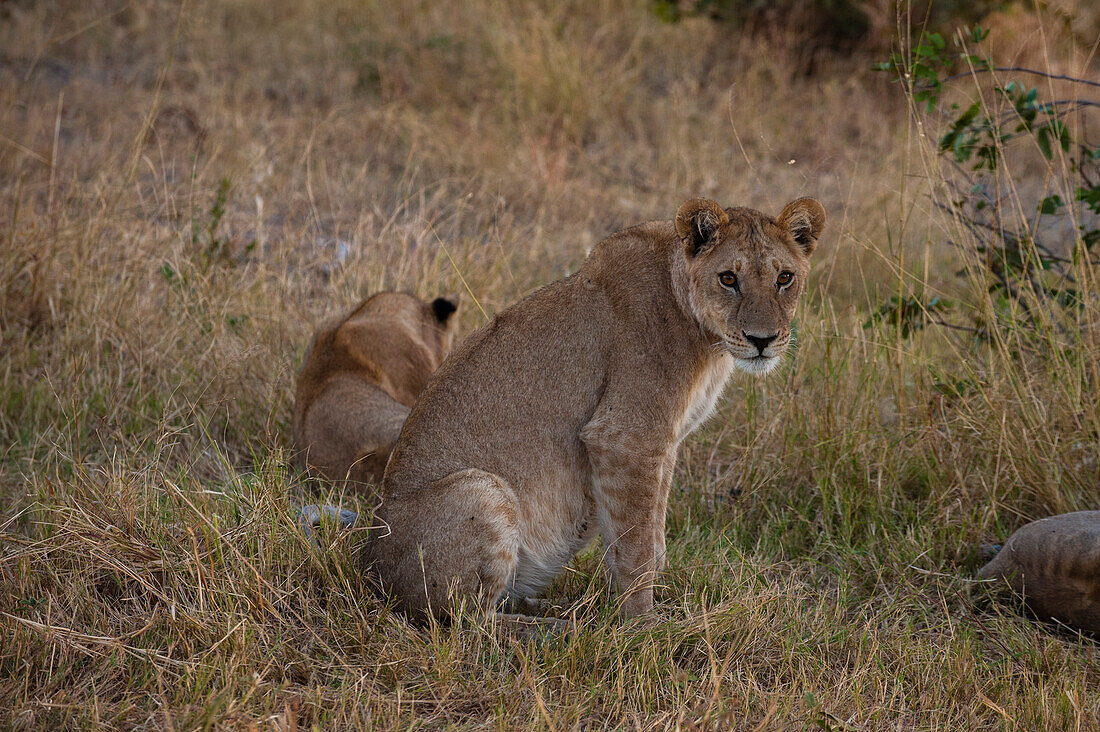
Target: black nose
point(761, 342)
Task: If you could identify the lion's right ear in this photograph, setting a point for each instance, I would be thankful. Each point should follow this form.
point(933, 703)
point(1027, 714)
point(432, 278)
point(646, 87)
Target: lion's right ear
point(697, 221)
point(444, 307)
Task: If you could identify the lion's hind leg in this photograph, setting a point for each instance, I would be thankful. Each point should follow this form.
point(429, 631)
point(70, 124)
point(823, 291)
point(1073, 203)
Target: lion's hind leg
point(453, 542)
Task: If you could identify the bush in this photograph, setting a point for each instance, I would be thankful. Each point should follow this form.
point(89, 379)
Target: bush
point(1033, 248)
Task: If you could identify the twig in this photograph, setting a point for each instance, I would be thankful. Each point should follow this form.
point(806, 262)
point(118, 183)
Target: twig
point(953, 326)
point(25, 150)
point(1057, 102)
point(1022, 70)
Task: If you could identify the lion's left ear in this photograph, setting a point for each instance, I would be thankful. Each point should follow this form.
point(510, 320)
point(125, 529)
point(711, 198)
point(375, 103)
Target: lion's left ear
point(804, 218)
point(444, 307)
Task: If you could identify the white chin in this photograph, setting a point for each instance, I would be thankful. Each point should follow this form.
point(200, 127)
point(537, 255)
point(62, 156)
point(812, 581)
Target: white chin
point(758, 366)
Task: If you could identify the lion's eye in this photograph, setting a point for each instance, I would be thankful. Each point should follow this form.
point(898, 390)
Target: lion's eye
point(784, 279)
point(728, 279)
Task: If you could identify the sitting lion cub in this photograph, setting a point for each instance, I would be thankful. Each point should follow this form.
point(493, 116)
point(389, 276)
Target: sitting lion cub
point(361, 375)
point(563, 416)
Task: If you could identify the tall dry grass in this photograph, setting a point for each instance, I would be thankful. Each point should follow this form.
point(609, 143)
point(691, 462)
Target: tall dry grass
point(186, 189)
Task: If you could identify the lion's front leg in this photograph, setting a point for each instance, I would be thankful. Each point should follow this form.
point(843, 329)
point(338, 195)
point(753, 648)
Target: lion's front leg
point(667, 469)
point(627, 480)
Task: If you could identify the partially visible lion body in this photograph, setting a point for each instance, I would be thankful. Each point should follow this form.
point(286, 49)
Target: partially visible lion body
point(1054, 563)
point(362, 374)
point(563, 416)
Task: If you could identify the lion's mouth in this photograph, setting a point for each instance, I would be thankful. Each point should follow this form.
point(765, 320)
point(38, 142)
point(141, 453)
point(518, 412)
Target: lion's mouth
point(759, 364)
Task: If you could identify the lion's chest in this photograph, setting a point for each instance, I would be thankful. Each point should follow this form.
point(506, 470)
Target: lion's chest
point(704, 395)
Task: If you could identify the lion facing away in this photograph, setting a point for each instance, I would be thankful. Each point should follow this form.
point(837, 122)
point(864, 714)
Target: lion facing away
point(362, 374)
point(563, 416)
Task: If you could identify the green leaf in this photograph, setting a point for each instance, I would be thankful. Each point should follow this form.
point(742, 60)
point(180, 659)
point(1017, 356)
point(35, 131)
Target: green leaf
point(1089, 196)
point(1042, 137)
point(955, 140)
point(1051, 204)
point(666, 12)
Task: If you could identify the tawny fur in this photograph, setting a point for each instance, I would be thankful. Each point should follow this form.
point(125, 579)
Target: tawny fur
point(563, 416)
point(362, 374)
point(1054, 563)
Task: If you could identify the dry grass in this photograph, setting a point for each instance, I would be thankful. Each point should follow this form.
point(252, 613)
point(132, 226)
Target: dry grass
point(821, 532)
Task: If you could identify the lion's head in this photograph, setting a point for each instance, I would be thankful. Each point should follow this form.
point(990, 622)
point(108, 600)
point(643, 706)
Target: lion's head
point(391, 324)
point(745, 271)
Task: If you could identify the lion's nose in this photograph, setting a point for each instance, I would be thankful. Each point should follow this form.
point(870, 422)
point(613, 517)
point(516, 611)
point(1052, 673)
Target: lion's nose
point(761, 342)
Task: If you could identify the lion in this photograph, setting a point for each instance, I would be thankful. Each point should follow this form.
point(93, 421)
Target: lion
point(562, 417)
point(1054, 564)
point(361, 375)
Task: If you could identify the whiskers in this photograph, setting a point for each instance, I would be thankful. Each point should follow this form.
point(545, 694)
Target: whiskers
point(726, 346)
point(720, 347)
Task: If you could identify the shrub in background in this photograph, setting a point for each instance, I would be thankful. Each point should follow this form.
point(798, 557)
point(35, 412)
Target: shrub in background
point(1032, 245)
point(832, 26)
